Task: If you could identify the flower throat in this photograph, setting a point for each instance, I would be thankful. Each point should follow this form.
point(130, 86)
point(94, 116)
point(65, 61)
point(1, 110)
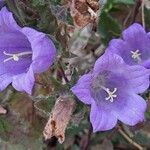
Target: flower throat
point(97, 84)
point(16, 56)
point(136, 55)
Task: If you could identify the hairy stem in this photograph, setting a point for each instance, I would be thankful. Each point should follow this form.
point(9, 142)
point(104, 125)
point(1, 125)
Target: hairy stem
point(139, 147)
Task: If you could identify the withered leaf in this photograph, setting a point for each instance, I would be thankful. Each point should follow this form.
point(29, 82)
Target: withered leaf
point(82, 57)
point(60, 12)
point(2, 110)
point(84, 12)
point(79, 40)
point(59, 119)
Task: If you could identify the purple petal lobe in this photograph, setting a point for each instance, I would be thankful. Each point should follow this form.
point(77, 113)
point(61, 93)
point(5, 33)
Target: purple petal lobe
point(132, 111)
point(24, 81)
point(5, 80)
point(101, 119)
point(123, 49)
point(146, 64)
point(108, 61)
point(138, 78)
point(82, 89)
point(135, 31)
point(7, 22)
point(43, 49)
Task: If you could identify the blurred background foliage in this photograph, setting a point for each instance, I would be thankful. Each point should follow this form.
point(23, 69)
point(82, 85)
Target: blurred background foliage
point(21, 128)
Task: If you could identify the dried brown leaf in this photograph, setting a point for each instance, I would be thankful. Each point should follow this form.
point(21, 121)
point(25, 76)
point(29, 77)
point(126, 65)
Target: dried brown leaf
point(79, 40)
point(2, 110)
point(84, 12)
point(59, 119)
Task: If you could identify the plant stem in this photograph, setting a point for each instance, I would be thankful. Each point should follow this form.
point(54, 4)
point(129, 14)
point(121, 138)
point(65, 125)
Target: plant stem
point(143, 16)
point(63, 72)
point(139, 147)
point(136, 10)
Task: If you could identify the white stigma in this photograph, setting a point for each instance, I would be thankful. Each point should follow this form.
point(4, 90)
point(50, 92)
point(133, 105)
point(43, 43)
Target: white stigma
point(16, 56)
point(111, 95)
point(136, 55)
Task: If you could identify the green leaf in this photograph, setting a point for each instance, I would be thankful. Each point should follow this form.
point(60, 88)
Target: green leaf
point(38, 2)
point(75, 147)
point(47, 22)
point(4, 125)
point(128, 2)
point(141, 139)
point(108, 27)
point(13, 6)
point(147, 114)
point(55, 2)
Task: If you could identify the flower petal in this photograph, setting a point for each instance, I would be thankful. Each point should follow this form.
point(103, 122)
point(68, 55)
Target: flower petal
point(137, 39)
point(146, 64)
point(7, 22)
point(43, 49)
point(101, 120)
point(122, 49)
point(24, 81)
point(108, 61)
point(82, 89)
point(132, 111)
point(135, 32)
point(5, 80)
point(148, 34)
point(138, 78)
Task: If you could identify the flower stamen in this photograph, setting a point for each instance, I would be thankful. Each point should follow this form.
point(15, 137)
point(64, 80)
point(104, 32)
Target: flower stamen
point(111, 95)
point(136, 55)
point(16, 56)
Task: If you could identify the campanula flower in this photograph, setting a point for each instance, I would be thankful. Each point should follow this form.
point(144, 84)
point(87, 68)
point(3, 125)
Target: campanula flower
point(134, 47)
point(111, 89)
point(23, 52)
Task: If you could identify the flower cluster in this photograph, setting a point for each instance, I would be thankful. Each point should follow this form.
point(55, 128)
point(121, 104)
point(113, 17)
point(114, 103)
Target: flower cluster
point(112, 87)
point(23, 51)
